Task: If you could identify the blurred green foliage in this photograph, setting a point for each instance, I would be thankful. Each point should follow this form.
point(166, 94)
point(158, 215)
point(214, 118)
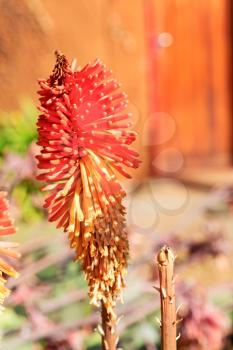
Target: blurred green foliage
point(17, 132)
point(22, 194)
point(139, 334)
point(18, 128)
point(10, 320)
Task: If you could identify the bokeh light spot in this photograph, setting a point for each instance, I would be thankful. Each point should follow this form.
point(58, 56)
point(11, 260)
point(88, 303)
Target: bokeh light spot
point(170, 195)
point(142, 212)
point(158, 128)
point(165, 39)
point(169, 160)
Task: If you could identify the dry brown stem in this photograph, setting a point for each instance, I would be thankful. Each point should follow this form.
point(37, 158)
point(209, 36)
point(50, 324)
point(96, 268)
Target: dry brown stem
point(165, 261)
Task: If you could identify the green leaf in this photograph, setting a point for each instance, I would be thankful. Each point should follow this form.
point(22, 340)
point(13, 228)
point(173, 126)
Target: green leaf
point(10, 320)
point(18, 128)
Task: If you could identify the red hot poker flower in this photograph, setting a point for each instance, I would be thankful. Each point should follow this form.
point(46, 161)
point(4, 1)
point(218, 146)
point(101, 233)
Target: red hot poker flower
point(7, 249)
point(84, 138)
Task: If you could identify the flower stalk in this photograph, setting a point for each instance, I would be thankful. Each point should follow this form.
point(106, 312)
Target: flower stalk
point(165, 262)
point(109, 331)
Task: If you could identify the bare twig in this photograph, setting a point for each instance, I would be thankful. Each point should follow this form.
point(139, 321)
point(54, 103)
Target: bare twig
point(52, 331)
point(40, 265)
point(54, 304)
point(34, 245)
point(138, 313)
point(12, 342)
point(165, 261)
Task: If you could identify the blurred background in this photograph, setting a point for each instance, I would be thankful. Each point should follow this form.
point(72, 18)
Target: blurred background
point(174, 60)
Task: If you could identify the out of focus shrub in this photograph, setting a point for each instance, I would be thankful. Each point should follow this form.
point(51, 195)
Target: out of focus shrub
point(17, 159)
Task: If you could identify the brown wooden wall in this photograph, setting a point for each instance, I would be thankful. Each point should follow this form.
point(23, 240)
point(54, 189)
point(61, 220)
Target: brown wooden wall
point(187, 80)
point(193, 77)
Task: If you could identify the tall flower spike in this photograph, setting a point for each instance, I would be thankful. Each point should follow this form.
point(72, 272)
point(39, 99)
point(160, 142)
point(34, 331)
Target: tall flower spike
point(84, 138)
point(7, 249)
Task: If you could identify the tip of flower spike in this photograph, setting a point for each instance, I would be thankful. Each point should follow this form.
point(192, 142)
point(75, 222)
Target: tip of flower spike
point(60, 70)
